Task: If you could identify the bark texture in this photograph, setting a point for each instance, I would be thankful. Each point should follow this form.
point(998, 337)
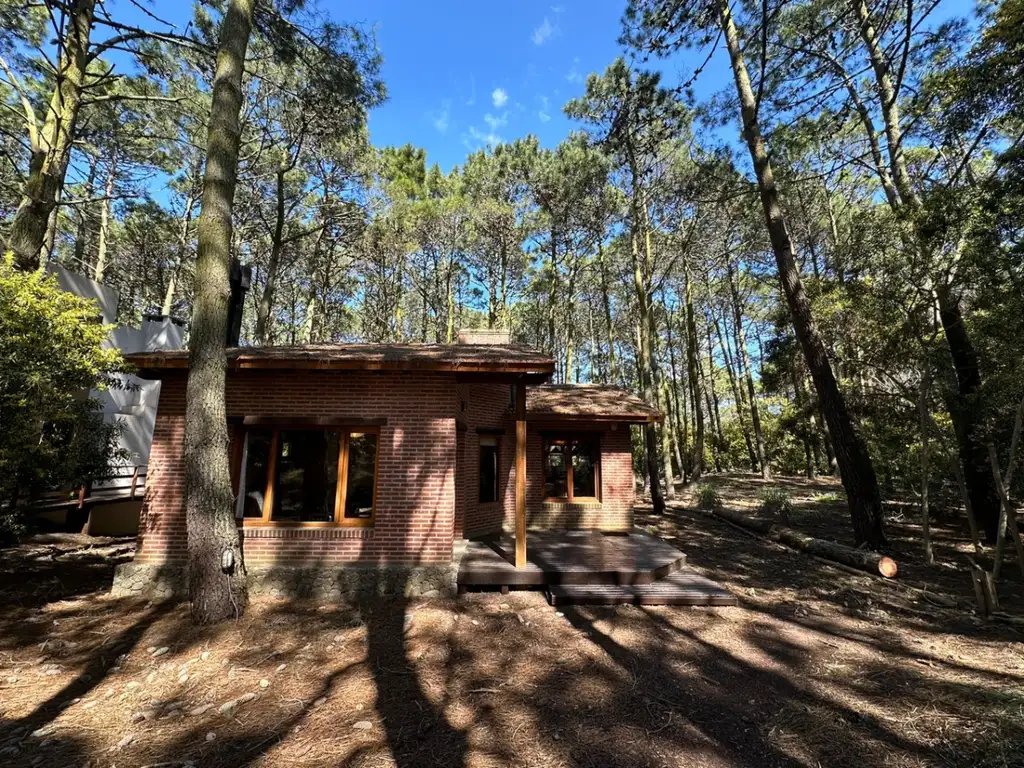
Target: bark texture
point(217, 591)
point(51, 145)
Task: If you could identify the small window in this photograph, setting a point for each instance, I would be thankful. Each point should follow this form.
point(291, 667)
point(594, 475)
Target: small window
point(488, 469)
point(572, 468)
point(301, 475)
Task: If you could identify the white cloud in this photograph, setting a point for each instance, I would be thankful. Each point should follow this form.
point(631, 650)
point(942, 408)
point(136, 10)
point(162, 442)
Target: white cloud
point(499, 96)
point(574, 75)
point(544, 32)
point(542, 113)
point(472, 92)
point(442, 118)
point(494, 123)
point(481, 138)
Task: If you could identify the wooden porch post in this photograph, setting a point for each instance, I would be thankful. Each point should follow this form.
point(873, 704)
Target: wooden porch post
point(520, 474)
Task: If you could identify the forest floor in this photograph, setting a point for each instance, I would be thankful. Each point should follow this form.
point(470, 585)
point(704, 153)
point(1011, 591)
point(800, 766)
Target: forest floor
point(815, 667)
point(819, 510)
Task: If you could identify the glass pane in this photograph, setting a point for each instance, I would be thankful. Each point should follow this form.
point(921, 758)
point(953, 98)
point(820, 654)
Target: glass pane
point(583, 472)
point(555, 485)
point(362, 466)
point(488, 473)
point(257, 464)
point(307, 476)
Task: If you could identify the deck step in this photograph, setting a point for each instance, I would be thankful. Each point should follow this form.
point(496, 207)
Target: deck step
point(576, 557)
point(683, 587)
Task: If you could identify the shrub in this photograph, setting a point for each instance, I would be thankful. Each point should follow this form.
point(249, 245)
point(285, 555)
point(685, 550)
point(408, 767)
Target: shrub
point(51, 355)
point(776, 502)
point(707, 497)
point(11, 529)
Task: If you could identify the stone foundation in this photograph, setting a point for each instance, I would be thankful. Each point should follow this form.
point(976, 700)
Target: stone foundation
point(351, 584)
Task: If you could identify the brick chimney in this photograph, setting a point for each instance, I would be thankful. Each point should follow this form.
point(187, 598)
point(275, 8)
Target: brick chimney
point(484, 336)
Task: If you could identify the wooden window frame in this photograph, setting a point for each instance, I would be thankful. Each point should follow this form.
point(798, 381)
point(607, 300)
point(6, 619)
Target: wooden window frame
point(345, 433)
point(561, 438)
point(497, 468)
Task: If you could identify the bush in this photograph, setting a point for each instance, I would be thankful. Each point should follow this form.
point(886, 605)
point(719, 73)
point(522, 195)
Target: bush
point(707, 497)
point(776, 502)
point(11, 529)
point(51, 355)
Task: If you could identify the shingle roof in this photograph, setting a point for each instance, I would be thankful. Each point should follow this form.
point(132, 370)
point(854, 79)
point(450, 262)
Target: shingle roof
point(588, 402)
point(469, 358)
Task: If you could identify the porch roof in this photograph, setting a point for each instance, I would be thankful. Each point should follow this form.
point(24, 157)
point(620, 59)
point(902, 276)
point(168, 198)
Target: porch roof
point(472, 359)
point(588, 402)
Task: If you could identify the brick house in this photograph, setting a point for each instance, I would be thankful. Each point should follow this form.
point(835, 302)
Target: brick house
point(365, 466)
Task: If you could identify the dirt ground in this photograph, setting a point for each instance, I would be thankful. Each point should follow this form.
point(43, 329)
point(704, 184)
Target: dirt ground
point(819, 509)
point(816, 667)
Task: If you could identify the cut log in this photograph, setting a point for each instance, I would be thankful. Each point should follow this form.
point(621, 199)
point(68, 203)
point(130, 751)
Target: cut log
point(863, 560)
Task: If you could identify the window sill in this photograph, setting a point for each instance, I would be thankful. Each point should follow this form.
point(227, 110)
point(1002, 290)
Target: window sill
point(581, 501)
point(305, 531)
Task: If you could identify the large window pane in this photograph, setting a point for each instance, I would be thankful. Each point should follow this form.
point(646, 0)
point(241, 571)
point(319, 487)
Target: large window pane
point(307, 476)
point(254, 478)
point(362, 467)
point(582, 471)
point(488, 470)
point(555, 472)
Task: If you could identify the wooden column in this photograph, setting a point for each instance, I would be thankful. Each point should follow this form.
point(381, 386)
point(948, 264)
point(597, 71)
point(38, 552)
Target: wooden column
point(520, 475)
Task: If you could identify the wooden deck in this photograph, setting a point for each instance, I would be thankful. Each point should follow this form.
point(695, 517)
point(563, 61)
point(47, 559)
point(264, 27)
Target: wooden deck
point(570, 557)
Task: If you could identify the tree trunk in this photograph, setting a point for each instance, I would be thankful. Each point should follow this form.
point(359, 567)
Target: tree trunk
point(666, 433)
point(855, 465)
point(695, 380)
point(965, 413)
point(613, 371)
point(49, 159)
point(922, 410)
point(1007, 521)
point(645, 363)
point(276, 246)
point(716, 412)
point(870, 562)
point(743, 359)
point(678, 432)
point(104, 232)
point(737, 396)
point(216, 572)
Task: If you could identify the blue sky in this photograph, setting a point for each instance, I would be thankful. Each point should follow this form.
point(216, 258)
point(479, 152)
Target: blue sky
point(463, 74)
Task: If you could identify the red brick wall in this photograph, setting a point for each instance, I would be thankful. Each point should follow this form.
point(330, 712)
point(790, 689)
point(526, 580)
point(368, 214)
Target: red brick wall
point(486, 406)
point(421, 505)
point(615, 510)
point(415, 515)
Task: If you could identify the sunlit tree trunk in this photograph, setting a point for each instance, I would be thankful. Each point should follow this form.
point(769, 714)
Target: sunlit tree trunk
point(743, 359)
point(51, 145)
point(216, 572)
point(104, 232)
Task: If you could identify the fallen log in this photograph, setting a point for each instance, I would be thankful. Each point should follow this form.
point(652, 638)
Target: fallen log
point(861, 559)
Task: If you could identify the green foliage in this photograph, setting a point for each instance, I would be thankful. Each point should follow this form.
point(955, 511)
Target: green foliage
point(51, 355)
point(11, 528)
point(828, 498)
point(777, 503)
point(708, 497)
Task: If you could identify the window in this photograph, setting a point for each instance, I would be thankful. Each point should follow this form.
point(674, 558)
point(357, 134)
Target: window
point(488, 469)
point(572, 468)
point(304, 475)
